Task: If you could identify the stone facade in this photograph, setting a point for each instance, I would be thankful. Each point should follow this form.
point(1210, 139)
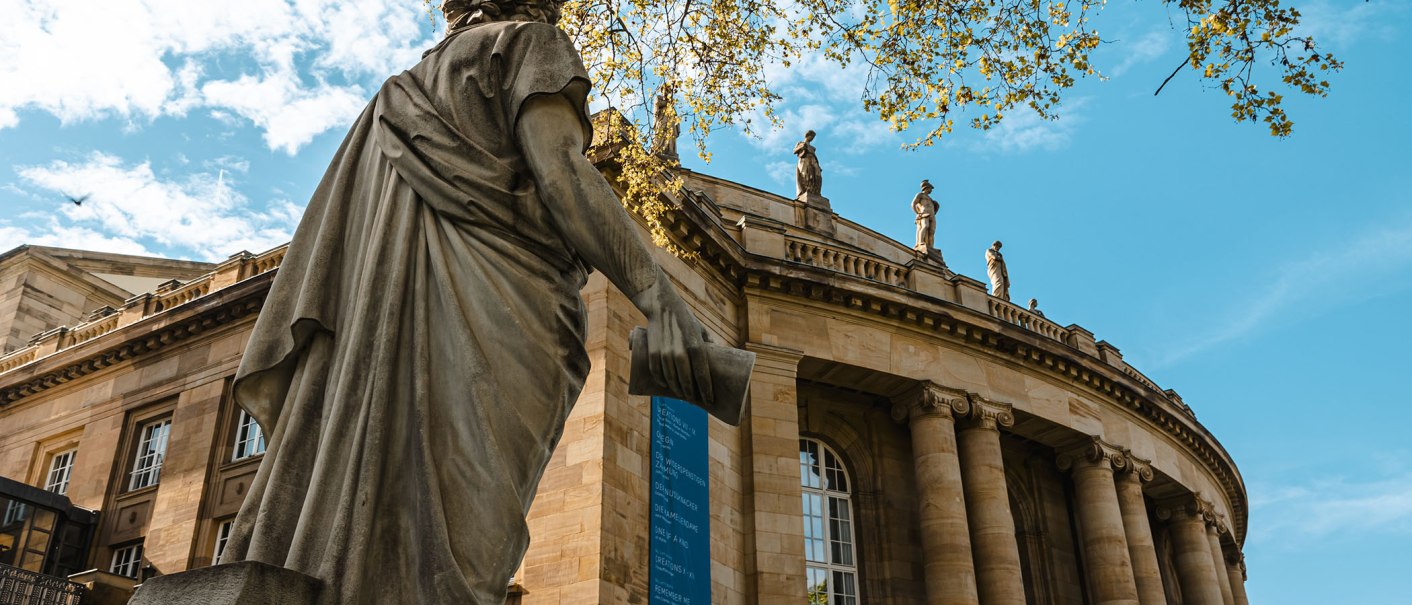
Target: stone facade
point(993, 456)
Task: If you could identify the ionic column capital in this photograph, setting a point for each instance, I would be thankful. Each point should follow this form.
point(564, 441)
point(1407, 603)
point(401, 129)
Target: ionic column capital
point(987, 414)
point(1138, 469)
point(1187, 506)
point(930, 399)
point(1093, 452)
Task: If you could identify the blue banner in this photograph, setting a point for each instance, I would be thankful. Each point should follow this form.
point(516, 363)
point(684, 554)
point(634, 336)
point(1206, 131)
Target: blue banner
point(680, 550)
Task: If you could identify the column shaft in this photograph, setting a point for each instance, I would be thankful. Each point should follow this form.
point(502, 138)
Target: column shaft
point(1196, 572)
point(1236, 571)
point(997, 554)
point(1141, 547)
point(948, 567)
point(1105, 544)
point(1218, 561)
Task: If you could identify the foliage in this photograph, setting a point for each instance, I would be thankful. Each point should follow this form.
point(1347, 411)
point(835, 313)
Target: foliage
point(927, 61)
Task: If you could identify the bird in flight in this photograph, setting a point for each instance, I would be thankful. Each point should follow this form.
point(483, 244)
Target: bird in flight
point(78, 201)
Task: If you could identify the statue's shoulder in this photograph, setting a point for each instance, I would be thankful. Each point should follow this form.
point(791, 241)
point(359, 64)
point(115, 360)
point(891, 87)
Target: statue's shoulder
point(520, 38)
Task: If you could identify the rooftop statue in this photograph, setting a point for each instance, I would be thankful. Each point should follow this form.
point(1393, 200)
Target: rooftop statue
point(926, 209)
point(999, 275)
point(1034, 307)
point(666, 127)
point(808, 176)
point(423, 342)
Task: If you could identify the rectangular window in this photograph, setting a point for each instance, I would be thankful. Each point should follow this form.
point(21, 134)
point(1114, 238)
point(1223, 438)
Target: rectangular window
point(127, 560)
point(14, 512)
point(151, 450)
point(60, 467)
point(222, 536)
point(249, 439)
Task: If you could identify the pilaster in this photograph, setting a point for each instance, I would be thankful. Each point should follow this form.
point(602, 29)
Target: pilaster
point(776, 561)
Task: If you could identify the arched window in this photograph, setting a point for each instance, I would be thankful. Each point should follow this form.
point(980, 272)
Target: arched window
point(830, 562)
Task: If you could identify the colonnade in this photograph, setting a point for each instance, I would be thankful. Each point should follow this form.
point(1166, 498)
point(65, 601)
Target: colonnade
point(968, 533)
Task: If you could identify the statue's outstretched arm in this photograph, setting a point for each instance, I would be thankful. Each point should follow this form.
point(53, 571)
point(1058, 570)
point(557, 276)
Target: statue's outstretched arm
point(592, 220)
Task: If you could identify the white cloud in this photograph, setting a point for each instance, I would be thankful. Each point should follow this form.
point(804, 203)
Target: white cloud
point(1144, 49)
point(141, 59)
point(1303, 284)
point(61, 236)
point(1338, 25)
point(1025, 131)
point(1291, 515)
point(129, 207)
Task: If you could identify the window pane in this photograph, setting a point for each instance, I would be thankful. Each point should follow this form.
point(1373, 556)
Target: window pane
point(844, 591)
point(60, 467)
point(151, 450)
point(809, 464)
point(222, 536)
point(249, 439)
point(818, 586)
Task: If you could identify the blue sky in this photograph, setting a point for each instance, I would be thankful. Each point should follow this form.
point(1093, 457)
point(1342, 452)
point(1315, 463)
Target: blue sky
point(1265, 280)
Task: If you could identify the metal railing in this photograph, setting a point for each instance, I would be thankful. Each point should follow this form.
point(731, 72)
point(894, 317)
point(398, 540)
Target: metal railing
point(24, 587)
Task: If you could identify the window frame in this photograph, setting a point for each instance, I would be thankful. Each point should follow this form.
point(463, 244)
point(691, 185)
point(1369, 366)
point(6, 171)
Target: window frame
point(151, 471)
point(136, 562)
point(68, 471)
point(223, 528)
point(245, 427)
point(830, 487)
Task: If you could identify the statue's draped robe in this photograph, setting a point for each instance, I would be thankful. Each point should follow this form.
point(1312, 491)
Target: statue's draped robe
point(423, 342)
point(999, 275)
point(808, 176)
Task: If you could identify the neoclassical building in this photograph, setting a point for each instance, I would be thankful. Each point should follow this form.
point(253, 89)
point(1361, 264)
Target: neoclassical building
point(910, 439)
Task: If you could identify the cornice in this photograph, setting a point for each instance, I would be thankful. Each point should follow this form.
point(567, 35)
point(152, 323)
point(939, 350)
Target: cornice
point(139, 339)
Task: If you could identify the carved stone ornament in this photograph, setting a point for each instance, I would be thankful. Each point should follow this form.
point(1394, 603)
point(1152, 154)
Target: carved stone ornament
point(931, 399)
point(989, 414)
point(1093, 452)
point(1138, 469)
point(1186, 506)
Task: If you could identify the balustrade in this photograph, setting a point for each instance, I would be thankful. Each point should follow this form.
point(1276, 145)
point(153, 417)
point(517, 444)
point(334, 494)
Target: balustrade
point(1014, 315)
point(842, 261)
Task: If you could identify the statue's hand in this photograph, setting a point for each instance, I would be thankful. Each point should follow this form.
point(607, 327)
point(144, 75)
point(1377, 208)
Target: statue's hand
point(676, 351)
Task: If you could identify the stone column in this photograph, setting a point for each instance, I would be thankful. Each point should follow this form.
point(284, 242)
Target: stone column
point(1214, 529)
point(1196, 571)
point(1236, 570)
point(997, 555)
point(774, 527)
point(946, 543)
point(1141, 547)
point(1105, 543)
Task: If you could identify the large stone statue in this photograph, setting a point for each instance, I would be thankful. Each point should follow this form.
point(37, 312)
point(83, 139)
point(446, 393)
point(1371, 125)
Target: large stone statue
point(808, 176)
point(423, 342)
point(666, 127)
point(999, 275)
point(926, 209)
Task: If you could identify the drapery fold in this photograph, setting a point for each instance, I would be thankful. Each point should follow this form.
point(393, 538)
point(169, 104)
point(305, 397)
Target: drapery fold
point(422, 343)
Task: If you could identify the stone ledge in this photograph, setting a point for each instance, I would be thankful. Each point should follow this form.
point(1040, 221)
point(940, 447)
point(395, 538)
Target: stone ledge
point(243, 583)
